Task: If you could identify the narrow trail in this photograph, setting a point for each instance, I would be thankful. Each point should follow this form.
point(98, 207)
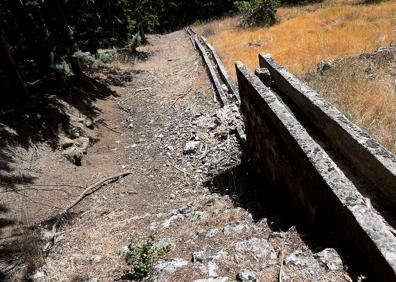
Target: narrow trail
point(190, 186)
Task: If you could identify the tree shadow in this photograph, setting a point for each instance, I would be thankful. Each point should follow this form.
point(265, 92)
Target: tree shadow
point(45, 116)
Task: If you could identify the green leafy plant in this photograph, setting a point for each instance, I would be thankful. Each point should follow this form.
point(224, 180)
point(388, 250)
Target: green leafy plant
point(63, 67)
point(95, 61)
point(141, 258)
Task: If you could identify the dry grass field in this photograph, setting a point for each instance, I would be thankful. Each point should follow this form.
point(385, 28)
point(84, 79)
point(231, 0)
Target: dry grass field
point(309, 34)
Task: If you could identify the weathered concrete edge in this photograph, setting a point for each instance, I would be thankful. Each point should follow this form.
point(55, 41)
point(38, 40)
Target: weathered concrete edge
point(372, 159)
point(212, 72)
point(222, 70)
point(371, 223)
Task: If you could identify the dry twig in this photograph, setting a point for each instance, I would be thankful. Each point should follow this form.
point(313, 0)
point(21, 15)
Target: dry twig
point(91, 189)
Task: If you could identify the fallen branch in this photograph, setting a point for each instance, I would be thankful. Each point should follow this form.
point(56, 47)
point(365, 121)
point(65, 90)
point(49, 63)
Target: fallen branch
point(91, 189)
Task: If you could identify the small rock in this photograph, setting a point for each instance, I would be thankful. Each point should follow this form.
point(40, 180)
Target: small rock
point(191, 147)
point(89, 123)
point(235, 227)
point(74, 155)
point(170, 266)
point(212, 232)
point(199, 256)
point(124, 251)
point(168, 221)
point(130, 125)
point(246, 276)
point(91, 280)
point(217, 279)
point(298, 258)
point(258, 247)
point(91, 258)
point(324, 66)
point(212, 269)
point(38, 276)
point(165, 242)
point(330, 258)
point(65, 143)
point(82, 143)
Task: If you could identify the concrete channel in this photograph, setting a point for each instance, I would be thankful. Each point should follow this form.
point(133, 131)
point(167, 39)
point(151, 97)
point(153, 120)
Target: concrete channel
point(326, 164)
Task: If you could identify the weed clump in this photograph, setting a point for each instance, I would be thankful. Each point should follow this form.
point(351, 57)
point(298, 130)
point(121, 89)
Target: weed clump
point(141, 257)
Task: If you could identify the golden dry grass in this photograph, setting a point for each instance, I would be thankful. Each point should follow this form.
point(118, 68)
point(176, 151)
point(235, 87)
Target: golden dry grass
point(309, 34)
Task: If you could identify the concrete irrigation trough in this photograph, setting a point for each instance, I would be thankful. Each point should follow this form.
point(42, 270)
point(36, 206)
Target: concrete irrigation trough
point(280, 146)
point(370, 159)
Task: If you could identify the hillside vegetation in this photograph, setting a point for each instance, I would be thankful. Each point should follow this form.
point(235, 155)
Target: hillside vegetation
point(309, 34)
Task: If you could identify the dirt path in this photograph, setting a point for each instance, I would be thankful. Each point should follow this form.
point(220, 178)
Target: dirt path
point(202, 201)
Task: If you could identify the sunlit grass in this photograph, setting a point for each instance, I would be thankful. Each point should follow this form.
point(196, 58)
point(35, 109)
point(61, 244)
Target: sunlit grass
point(309, 34)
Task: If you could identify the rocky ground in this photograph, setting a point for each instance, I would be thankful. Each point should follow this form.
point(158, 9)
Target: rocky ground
point(190, 186)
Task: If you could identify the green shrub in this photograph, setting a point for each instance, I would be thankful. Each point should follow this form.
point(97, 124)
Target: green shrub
point(140, 258)
point(258, 12)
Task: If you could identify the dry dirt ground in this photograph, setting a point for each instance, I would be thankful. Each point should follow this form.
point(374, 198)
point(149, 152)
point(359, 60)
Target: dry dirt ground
point(217, 215)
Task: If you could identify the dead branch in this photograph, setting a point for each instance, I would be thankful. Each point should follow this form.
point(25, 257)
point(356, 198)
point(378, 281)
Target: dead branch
point(91, 189)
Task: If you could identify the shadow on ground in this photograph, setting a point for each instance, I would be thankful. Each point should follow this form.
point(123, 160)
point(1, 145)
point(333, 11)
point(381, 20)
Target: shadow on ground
point(23, 126)
point(251, 190)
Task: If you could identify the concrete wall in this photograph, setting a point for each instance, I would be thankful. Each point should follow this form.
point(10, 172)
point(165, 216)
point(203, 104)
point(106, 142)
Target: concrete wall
point(283, 149)
point(370, 159)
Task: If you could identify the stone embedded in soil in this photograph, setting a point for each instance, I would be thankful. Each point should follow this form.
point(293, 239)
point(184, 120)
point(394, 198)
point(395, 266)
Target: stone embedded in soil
point(246, 276)
point(169, 266)
point(217, 279)
point(212, 232)
point(330, 258)
point(91, 258)
point(38, 276)
point(165, 242)
point(237, 226)
point(258, 247)
point(199, 256)
point(300, 259)
point(210, 269)
point(191, 147)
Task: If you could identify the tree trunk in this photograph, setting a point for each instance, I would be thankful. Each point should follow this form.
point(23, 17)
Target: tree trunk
point(67, 36)
point(142, 34)
point(11, 69)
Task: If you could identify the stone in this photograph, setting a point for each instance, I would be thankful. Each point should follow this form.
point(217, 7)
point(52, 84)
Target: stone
point(66, 142)
point(246, 276)
point(212, 269)
point(199, 256)
point(165, 242)
point(191, 147)
point(212, 232)
point(82, 143)
point(74, 155)
point(217, 279)
point(89, 123)
point(235, 227)
point(300, 259)
point(170, 266)
point(260, 248)
point(124, 251)
point(330, 258)
point(324, 66)
point(91, 258)
point(39, 276)
point(94, 279)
